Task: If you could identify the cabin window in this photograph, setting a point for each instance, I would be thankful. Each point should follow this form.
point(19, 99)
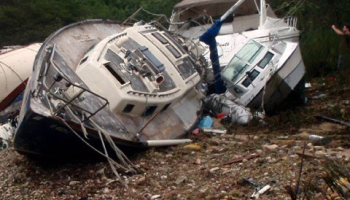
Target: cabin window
point(128, 108)
point(240, 63)
point(177, 43)
point(149, 110)
point(262, 64)
point(186, 68)
point(160, 38)
point(251, 76)
point(173, 51)
point(115, 73)
point(84, 59)
point(165, 107)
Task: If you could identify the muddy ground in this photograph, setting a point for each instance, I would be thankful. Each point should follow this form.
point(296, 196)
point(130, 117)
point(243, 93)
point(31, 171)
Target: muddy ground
point(214, 166)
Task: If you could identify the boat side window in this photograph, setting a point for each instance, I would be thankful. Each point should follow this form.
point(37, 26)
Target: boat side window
point(173, 51)
point(83, 60)
point(128, 108)
point(160, 38)
point(149, 110)
point(165, 107)
point(251, 76)
point(176, 42)
point(262, 64)
point(242, 60)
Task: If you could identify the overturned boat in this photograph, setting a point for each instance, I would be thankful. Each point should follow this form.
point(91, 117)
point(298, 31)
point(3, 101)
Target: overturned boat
point(253, 19)
point(15, 68)
point(260, 76)
point(259, 54)
point(97, 82)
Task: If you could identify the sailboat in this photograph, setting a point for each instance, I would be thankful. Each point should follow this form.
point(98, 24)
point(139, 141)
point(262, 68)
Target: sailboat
point(98, 85)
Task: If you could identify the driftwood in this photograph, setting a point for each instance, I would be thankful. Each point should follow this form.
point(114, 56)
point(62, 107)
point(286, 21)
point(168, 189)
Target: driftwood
point(240, 159)
point(333, 120)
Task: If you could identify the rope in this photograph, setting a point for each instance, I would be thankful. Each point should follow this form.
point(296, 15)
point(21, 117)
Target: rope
point(127, 165)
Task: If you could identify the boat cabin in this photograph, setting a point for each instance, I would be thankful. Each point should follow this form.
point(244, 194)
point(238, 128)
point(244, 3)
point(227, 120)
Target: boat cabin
point(251, 67)
point(141, 71)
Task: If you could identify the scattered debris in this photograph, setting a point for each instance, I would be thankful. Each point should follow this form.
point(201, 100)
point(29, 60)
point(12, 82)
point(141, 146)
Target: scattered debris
point(214, 131)
point(333, 121)
point(272, 147)
point(263, 190)
point(240, 159)
point(6, 133)
point(193, 147)
point(205, 122)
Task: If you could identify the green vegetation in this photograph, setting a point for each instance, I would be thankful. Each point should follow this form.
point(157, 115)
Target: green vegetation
point(26, 21)
point(319, 43)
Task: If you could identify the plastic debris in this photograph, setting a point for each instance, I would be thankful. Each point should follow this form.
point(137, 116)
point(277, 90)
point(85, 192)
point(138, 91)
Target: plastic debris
point(180, 179)
point(195, 131)
point(215, 131)
point(237, 113)
point(308, 85)
point(263, 190)
point(319, 140)
point(318, 96)
point(193, 147)
point(205, 122)
point(221, 115)
point(6, 133)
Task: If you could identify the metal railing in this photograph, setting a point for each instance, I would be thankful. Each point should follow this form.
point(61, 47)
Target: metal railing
point(62, 95)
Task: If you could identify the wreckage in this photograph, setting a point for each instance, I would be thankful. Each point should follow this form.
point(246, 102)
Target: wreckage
point(258, 53)
point(97, 82)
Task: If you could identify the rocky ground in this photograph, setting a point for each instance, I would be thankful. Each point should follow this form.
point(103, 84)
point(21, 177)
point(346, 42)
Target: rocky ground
point(276, 154)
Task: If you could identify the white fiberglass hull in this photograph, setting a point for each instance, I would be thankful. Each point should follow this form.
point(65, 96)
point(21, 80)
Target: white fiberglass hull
point(15, 68)
point(281, 84)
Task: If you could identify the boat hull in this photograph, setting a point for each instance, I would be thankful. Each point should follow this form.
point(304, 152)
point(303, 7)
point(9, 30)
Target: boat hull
point(50, 126)
point(287, 79)
point(15, 68)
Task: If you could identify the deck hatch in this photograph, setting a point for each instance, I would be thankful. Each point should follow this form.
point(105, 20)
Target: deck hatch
point(173, 51)
point(160, 38)
point(152, 59)
point(177, 44)
point(115, 72)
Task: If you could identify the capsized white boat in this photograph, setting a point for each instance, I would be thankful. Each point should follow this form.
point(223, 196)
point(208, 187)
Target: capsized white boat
point(260, 76)
point(15, 68)
point(252, 18)
point(260, 53)
point(96, 84)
